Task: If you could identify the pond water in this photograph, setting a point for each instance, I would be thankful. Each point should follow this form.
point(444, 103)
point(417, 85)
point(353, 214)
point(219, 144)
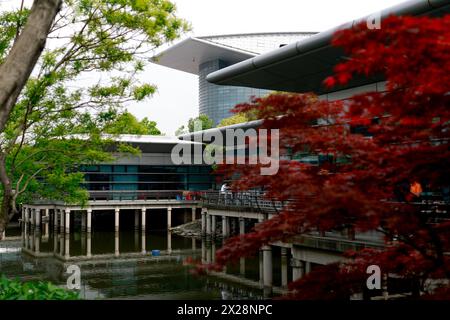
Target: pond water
point(129, 265)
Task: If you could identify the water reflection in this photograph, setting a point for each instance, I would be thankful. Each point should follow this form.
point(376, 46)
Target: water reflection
point(131, 264)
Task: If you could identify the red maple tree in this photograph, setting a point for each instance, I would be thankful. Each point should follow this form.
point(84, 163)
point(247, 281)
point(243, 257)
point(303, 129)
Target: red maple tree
point(365, 185)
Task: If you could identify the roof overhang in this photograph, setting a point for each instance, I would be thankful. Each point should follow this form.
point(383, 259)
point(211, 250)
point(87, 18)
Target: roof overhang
point(302, 66)
point(190, 53)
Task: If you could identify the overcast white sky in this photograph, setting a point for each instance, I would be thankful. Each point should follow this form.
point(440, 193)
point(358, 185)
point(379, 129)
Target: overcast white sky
point(177, 97)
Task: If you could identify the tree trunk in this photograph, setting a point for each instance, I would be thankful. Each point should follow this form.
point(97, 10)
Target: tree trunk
point(20, 62)
point(7, 207)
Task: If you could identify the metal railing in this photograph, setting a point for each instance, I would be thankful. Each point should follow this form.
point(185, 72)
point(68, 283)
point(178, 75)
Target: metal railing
point(253, 201)
point(156, 195)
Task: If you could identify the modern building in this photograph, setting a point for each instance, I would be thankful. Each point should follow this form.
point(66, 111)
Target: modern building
point(204, 55)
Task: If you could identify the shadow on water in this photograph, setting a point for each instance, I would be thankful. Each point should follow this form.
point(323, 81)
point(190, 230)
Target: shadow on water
point(128, 264)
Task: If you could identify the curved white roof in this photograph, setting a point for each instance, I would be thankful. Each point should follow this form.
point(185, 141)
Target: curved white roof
point(190, 53)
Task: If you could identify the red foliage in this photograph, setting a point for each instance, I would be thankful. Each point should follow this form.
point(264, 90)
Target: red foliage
point(409, 128)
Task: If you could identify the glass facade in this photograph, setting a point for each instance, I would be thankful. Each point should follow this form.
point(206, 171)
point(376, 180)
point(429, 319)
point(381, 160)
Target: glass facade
point(217, 101)
point(133, 180)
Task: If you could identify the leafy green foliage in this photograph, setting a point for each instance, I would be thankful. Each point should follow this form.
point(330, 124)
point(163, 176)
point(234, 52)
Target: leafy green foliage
point(89, 71)
point(17, 290)
point(126, 123)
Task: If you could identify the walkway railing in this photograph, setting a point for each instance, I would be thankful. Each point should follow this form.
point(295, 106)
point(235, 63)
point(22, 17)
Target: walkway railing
point(253, 201)
point(157, 195)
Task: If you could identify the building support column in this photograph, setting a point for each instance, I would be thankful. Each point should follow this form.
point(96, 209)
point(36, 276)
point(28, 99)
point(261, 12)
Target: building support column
point(27, 215)
point(208, 224)
point(267, 261)
point(23, 216)
point(61, 221)
point(33, 217)
point(203, 221)
point(143, 222)
point(136, 220)
point(213, 225)
point(116, 219)
point(169, 218)
point(225, 227)
point(307, 267)
point(194, 215)
point(37, 218)
point(83, 221)
point(261, 268)
point(55, 220)
point(241, 226)
point(298, 269)
point(89, 220)
point(284, 268)
point(67, 221)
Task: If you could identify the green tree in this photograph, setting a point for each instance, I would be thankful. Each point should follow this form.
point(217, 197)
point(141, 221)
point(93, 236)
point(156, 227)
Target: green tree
point(237, 118)
point(89, 69)
point(202, 122)
point(127, 123)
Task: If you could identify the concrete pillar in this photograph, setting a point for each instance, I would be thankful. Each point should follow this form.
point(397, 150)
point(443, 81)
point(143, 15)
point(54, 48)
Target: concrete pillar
point(116, 244)
point(46, 227)
point(267, 261)
point(194, 243)
point(169, 218)
point(88, 244)
point(203, 222)
point(67, 245)
point(298, 269)
point(213, 225)
point(89, 220)
point(55, 220)
point(83, 221)
point(23, 215)
point(208, 224)
point(33, 217)
point(37, 217)
point(136, 220)
point(194, 210)
point(143, 222)
point(241, 226)
point(116, 219)
point(27, 215)
point(61, 221)
point(225, 227)
point(261, 268)
point(307, 267)
point(67, 221)
point(242, 266)
point(143, 249)
point(284, 268)
point(169, 242)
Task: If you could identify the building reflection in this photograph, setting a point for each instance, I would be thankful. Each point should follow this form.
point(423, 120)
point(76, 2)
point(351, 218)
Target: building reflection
point(137, 250)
